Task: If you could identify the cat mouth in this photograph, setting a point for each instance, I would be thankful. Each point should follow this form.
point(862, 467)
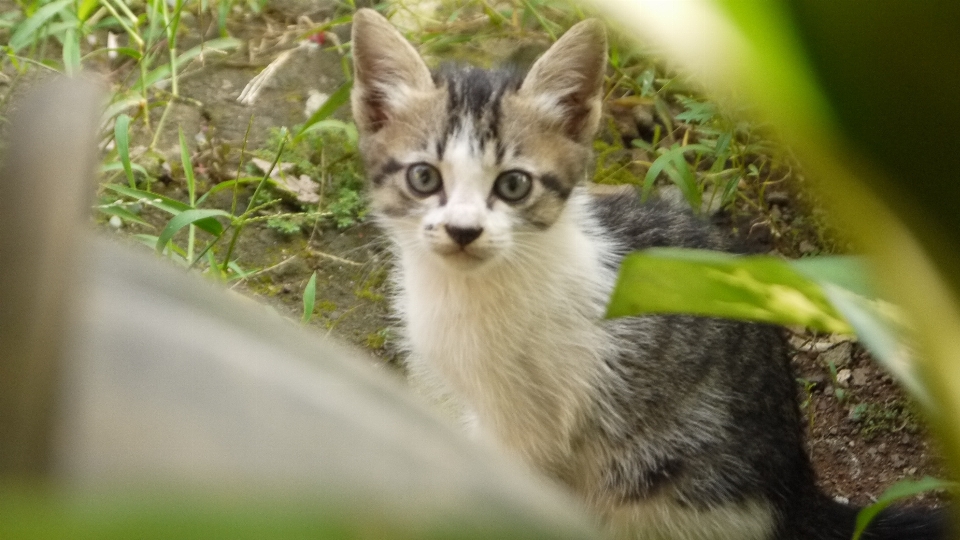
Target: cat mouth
point(462, 256)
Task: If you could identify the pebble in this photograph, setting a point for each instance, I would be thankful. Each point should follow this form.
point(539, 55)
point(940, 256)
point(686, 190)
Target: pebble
point(842, 500)
point(843, 377)
point(840, 354)
point(116, 222)
point(860, 377)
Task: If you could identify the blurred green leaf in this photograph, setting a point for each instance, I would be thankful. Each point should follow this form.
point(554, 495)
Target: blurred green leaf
point(697, 282)
point(26, 32)
point(309, 298)
point(121, 133)
point(187, 167)
point(86, 8)
point(71, 51)
point(213, 45)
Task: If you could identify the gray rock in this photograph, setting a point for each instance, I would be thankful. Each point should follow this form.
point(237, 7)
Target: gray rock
point(840, 354)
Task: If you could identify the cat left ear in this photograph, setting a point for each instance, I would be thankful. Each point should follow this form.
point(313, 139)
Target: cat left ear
point(387, 70)
point(567, 81)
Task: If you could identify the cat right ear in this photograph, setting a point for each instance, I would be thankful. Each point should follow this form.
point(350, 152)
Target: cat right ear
point(567, 81)
point(387, 71)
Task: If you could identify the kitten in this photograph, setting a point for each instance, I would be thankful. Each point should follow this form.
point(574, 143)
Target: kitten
point(667, 426)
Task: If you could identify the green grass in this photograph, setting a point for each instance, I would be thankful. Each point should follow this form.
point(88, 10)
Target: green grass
point(682, 138)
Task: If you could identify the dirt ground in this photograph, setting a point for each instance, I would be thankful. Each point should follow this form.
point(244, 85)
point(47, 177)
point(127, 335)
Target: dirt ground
point(863, 433)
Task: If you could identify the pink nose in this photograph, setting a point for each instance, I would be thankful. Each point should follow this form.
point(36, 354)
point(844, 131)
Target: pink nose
point(463, 236)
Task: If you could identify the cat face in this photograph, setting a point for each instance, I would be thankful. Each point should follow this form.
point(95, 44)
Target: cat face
point(465, 164)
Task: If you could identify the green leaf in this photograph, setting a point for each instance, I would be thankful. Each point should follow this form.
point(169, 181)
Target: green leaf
point(900, 490)
point(187, 167)
point(309, 298)
point(653, 172)
point(847, 272)
point(121, 133)
point(674, 164)
point(122, 102)
point(213, 45)
point(27, 29)
point(229, 184)
point(117, 166)
point(684, 178)
point(877, 325)
point(166, 204)
point(349, 129)
point(71, 51)
point(707, 283)
point(697, 112)
point(330, 106)
point(122, 213)
point(190, 217)
point(160, 202)
point(86, 8)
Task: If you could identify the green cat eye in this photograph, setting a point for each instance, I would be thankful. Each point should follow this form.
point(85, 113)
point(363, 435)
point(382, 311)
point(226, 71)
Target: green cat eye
point(511, 186)
point(424, 179)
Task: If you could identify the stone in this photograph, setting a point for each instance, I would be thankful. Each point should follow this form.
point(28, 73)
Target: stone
point(860, 377)
point(839, 355)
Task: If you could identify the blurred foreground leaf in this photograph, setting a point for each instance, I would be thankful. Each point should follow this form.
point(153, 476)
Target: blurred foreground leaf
point(755, 288)
point(827, 294)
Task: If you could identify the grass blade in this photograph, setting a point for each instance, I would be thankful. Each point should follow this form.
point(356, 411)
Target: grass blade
point(86, 9)
point(71, 51)
point(117, 166)
point(213, 45)
point(25, 33)
point(122, 213)
point(330, 106)
point(187, 168)
point(121, 133)
point(309, 298)
point(187, 218)
point(191, 186)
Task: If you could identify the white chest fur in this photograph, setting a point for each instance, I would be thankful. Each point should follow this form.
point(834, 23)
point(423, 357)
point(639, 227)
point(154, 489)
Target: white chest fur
point(518, 344)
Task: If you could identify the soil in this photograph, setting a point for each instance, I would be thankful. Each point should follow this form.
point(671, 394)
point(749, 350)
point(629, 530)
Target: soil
point(863, 434)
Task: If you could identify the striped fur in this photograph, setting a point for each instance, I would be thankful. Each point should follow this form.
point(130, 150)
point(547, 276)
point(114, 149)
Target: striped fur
point(669, 427)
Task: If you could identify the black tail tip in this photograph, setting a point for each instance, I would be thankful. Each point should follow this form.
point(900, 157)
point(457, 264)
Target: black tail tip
point(909, 524)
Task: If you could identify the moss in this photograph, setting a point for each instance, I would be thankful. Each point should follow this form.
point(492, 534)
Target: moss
point(874, 419)
point(371, 287)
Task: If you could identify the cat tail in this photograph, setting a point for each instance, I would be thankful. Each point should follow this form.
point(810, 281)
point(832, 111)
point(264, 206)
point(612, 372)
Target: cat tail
point(908, 524)
point(831, 520)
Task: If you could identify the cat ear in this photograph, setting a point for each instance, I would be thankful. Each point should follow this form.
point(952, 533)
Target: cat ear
point(387, 70)
point(567, 81)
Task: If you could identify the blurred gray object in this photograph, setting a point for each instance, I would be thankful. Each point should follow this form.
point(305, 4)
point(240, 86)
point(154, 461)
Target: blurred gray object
point(120, 374)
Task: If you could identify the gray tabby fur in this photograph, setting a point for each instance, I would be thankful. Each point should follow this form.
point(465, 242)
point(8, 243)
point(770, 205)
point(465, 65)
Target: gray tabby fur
point(667, 426)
